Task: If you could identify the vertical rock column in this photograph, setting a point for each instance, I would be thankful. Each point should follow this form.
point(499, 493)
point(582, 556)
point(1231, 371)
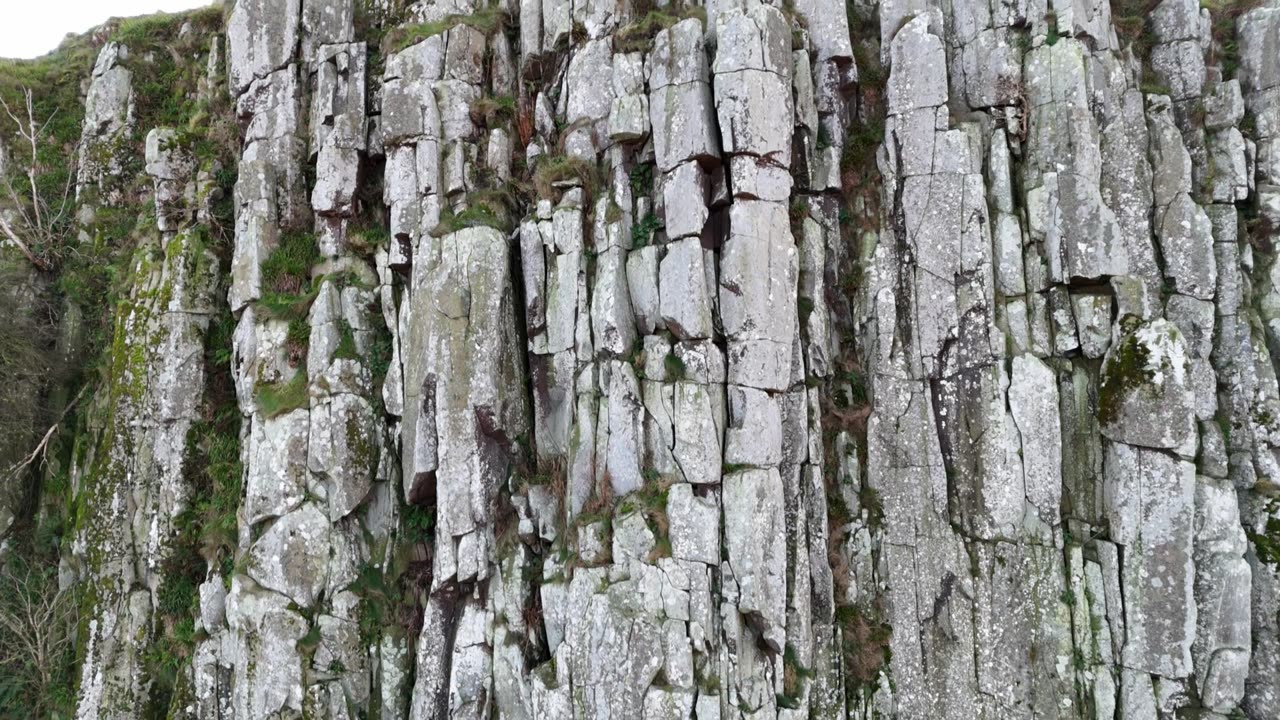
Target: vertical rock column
point(464, 402)
point(130, 479)
point(758, 310)
point(315, 506)
point(1249, 387)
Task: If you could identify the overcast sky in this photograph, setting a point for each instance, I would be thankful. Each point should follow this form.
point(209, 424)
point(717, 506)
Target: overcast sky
point(31, 28)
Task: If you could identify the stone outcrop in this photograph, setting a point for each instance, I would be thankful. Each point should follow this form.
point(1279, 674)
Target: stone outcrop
point(739, 359)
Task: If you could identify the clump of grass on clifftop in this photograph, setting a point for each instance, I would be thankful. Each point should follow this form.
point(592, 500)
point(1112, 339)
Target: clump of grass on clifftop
point(486, 20)
point(638, 35)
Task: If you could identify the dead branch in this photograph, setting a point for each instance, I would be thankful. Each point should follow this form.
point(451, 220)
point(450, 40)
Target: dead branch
point(13, 237)
point(42, 448)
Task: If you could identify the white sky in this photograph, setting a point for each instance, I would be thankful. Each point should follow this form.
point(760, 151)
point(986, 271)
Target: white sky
point(31, 28)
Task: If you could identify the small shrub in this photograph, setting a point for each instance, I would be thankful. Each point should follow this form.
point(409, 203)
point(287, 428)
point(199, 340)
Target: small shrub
point(642, 231)
point(297, 340)
point(493, 111)
point(418, 523)
point(866, 642)
point(641, 177)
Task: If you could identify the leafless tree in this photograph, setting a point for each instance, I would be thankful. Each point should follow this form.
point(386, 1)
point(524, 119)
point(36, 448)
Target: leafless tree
point(37, 230)
point(37, 630)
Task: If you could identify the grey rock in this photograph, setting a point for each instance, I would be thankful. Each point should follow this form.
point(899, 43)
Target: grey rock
point(1145, 397)
point(685, 305)
point(291, 556)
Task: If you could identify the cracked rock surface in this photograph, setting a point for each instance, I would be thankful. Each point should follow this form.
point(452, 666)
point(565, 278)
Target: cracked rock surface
point(736, 359)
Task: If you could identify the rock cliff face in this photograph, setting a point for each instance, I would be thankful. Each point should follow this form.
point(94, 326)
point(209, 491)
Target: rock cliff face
point(570, 359)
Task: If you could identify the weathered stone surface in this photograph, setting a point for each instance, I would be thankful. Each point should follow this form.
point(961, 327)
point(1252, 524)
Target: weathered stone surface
point(824, 422)
point(685, 305)
point(755, 542)
point(291, 556)
point(1145, 397)
point(1033, 402)
point(261, 35)
point(680, 105)
point(758, 276)
point(1223, 584)
point(1149, 500)
point(695, 525)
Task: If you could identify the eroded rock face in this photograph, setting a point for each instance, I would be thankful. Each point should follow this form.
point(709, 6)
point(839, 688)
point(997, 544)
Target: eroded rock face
point(751, 359)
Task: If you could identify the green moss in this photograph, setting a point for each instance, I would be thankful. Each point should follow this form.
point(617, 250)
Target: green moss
point(805, 306)
point(346, 344)
point(1051, 38)
point(275, 399)
point(674, 367)
point(1124, 371)
point(1266, 545)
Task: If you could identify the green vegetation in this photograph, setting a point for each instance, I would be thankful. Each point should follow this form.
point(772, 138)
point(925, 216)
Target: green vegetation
point(486, 208)
point(493, 111)
point(346, 349)
point(94, 284)
point(418, 523)
point(487, 20)
point(288, 268)
point(1130, 18)
point(638, 36)
point(552, 171)
point(275, 399)
point(674, 367)
point(296, 341)
point(1266, 544)
point(1223, 15)
point(641, 177)
point(866, 639)
point(794, 676)
point(1125, 371)
point(36, 679)
point(642, 232)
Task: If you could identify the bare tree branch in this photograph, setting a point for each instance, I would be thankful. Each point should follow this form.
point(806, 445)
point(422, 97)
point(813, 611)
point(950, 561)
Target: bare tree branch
point(38, 620)
point(43, 447)
point(41, 222)
point(13, 237)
